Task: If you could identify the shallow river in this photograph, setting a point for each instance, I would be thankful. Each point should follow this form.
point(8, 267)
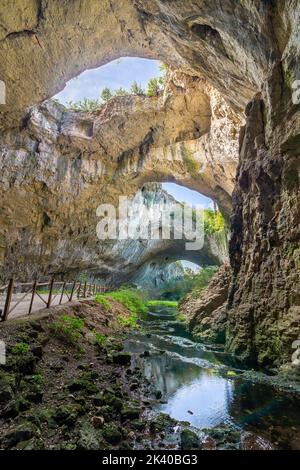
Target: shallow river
point(201, 384)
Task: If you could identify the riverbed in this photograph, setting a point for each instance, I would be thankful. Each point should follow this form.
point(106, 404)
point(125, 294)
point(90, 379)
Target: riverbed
point(203, 385)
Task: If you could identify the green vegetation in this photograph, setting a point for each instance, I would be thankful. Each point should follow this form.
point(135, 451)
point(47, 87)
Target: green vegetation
point(132, 299)
point(164, 303)
point(213, 222)
point(20, 348)
point(68, 328)
point(101, 339)
point(136, 89)
point(103, 301)
point(86, 105)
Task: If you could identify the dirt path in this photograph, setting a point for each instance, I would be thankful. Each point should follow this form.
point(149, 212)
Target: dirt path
point(22, 308)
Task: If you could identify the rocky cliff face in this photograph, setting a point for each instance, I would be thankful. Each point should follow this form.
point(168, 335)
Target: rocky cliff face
point(207, 313)
point(62, 165)
point(249, 51)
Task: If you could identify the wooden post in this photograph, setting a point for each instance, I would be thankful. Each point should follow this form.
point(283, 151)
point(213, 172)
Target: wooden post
point(78, 292)
point(50, 293)
point(62, 293)
point(72, 291)
point(32, 297)
point(10, 289)
point(84, 291)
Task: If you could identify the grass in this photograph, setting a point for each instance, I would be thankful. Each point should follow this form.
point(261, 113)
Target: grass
point(69, 328)
point(164, 303)
point(101, 339)
point(104, 302)
point(129, 298)
point(20, 348)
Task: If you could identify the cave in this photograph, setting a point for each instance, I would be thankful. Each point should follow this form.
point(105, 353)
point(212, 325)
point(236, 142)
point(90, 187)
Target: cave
point(227, 125)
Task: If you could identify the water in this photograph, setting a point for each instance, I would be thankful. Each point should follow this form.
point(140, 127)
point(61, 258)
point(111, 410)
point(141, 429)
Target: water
point(202, 385)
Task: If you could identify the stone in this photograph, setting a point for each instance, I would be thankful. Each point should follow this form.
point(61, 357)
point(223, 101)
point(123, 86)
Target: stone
point(189, 440)
point(130, 413)
point(112, 433)
point(97, 421)
point(122, 358)
point(21, 433)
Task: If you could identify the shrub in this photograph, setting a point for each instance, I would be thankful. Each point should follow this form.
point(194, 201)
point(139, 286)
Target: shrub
point(153, 87)
point(136, 89)
point(101, 299)
point(20, 348)
point(69, 328)
point(101, 339)
point(164, 303)
point(106, 94)
point(131, 299)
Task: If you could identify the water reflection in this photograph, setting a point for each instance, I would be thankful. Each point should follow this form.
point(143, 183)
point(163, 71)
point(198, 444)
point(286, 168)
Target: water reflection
point(194, 384)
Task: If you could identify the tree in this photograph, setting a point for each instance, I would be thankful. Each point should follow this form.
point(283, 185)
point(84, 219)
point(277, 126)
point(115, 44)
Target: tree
point(153, 87)
point(106, 94)
point(120, 92)
point(136, 89)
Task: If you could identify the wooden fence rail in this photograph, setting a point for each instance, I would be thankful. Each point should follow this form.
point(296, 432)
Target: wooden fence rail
point(46, 292)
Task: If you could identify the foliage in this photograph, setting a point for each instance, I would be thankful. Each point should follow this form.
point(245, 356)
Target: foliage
point(69, 328)
point(100, 338)
point(37, 379)
point(130, 321)
point(132, 299)
point(163, 303)
point(136, 89)
point(106, 94)
point(120, 92)
point(154, 87)
point(86, 105)
point(101, 299)
point(213, 222)
point(20, 348)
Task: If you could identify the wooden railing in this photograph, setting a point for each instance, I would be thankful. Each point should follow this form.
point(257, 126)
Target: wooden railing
point(23, 295)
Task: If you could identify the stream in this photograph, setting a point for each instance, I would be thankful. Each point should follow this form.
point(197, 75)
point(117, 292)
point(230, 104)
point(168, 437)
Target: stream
point(203, 385)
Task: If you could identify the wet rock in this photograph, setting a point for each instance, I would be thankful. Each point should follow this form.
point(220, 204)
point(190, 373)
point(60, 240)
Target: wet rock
point(6, 392)
point(130, 413)
point(67, 415)
point(189, 440)
point(97, 421)
point(158, 394)
point(35, 395)
point(82, 384)
point(121, 358)
point(37, 351)
point(138, 425)
point(250, 441)
point(208, 443)
point(11, 410)
point(26, 364)
point(22, 433)
point(112, 433)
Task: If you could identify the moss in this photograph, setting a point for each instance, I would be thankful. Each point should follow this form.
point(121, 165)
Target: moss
point(20, 348)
